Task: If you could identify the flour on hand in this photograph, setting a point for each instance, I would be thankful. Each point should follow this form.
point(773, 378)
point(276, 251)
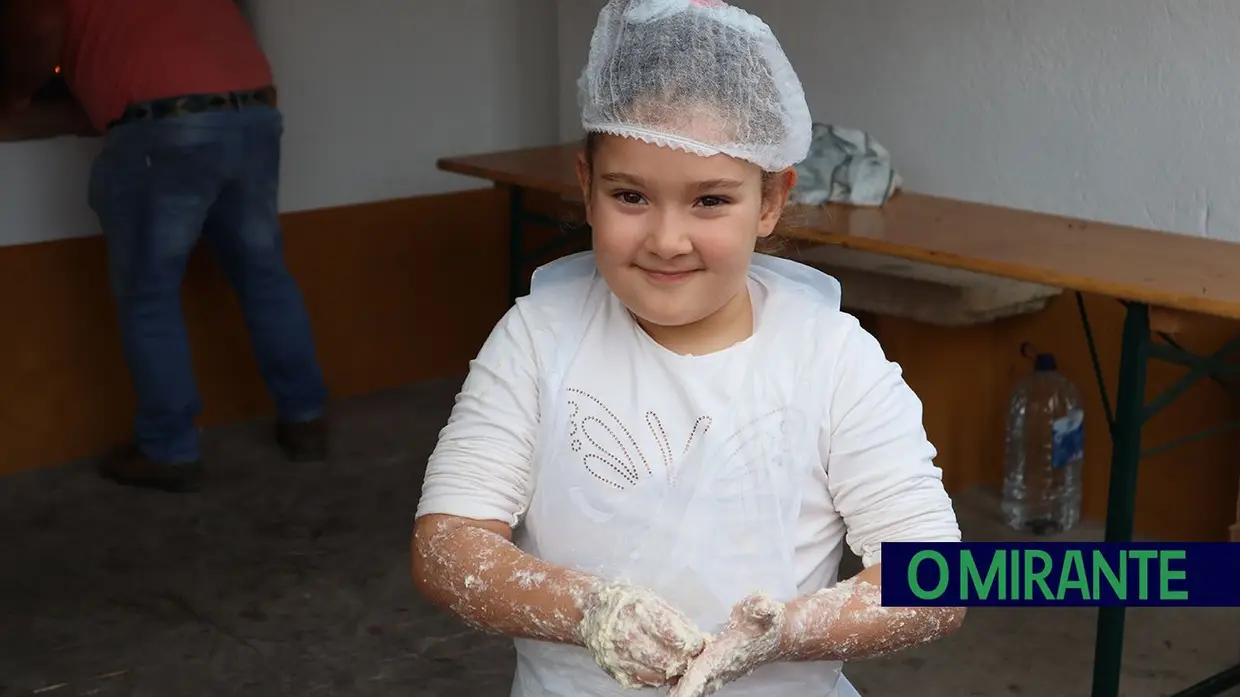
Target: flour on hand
point(750, 640)
point(849, 622)
point(636, 637)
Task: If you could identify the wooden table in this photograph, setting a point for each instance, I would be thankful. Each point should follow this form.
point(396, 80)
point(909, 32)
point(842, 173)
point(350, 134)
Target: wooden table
point(1143, 269)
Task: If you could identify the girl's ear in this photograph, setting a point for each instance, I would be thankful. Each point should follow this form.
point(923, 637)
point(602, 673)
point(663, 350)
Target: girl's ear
point(776, 189)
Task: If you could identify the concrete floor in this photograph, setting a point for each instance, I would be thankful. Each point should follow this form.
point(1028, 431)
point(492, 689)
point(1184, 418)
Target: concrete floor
point(294, 580)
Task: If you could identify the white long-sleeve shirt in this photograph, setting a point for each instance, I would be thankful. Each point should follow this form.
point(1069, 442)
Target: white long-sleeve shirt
point(877, 483)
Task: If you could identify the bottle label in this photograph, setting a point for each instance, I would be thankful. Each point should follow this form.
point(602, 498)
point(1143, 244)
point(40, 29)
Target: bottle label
point(1068, 445)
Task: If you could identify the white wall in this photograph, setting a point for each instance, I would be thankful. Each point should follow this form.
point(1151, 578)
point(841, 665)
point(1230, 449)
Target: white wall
point(373, 92)
point(43, 190)
point(1119, 110)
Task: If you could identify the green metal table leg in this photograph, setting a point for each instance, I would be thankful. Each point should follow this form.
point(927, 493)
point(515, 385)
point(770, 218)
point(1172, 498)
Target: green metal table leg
point(1122, 497)
point(1213, 685)
point(1132, 411)
point(568, 238)
point(516, 244)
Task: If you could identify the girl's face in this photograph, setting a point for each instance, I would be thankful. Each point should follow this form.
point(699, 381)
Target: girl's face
point(674, 232)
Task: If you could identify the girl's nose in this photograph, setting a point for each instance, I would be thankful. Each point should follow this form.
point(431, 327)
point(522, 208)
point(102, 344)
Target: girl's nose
point(667, 239)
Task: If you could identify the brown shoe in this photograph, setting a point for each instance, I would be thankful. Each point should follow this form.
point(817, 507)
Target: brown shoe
point(131, 468)
point(303, 441)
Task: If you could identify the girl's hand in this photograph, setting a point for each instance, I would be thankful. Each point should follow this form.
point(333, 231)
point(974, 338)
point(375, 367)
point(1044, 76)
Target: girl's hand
point(751, 640)
point(636, 637)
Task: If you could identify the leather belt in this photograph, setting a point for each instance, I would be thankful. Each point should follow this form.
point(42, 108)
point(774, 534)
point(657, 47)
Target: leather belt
point(180, 105)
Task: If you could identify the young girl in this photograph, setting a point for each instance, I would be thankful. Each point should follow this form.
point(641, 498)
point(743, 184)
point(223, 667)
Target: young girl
point(653, 465)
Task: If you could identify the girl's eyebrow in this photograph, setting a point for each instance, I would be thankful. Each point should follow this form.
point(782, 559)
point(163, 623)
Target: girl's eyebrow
point(622, 178)
point(632, 180)
point(718, 184)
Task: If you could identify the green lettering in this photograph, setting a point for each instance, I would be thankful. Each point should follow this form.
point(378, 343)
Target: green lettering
point(944, 577)
point(1143, 570)
point(1119, 584)
point(1015, 564)
point(970, 578)
point(1038, 577)
point(1074, 565)
point(1166, 575)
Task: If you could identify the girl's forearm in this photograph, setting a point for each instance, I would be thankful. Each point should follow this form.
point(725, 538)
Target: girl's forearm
point(480, 575)
point(848, 622)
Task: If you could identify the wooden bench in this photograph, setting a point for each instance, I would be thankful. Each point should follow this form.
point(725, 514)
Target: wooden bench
point(1154, 274)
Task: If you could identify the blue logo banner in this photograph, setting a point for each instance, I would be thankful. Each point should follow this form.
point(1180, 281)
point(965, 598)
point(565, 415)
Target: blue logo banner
point(1091, 574)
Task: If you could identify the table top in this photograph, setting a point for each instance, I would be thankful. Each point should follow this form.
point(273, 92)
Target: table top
point(1158, 268)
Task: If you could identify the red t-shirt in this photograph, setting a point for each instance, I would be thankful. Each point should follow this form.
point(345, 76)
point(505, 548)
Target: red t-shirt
point(121, 51)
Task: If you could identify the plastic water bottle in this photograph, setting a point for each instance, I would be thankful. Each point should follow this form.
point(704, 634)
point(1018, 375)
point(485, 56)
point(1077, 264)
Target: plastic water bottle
point(1044, 452)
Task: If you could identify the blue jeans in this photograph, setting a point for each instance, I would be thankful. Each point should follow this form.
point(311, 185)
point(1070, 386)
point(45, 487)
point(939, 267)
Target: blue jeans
point(156, 188)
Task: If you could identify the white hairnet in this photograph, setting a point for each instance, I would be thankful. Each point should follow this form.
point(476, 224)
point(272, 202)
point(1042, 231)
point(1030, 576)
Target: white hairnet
point(696, 75)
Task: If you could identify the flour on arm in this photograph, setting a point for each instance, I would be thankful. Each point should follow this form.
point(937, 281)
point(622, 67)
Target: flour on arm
point(477, 486)
point(884, 483)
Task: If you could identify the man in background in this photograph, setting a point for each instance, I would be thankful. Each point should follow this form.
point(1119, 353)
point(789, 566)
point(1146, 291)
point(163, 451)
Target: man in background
point(183, 95)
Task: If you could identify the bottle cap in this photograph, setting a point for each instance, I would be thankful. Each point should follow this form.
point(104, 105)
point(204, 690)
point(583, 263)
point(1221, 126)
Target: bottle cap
point(1045, 362)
